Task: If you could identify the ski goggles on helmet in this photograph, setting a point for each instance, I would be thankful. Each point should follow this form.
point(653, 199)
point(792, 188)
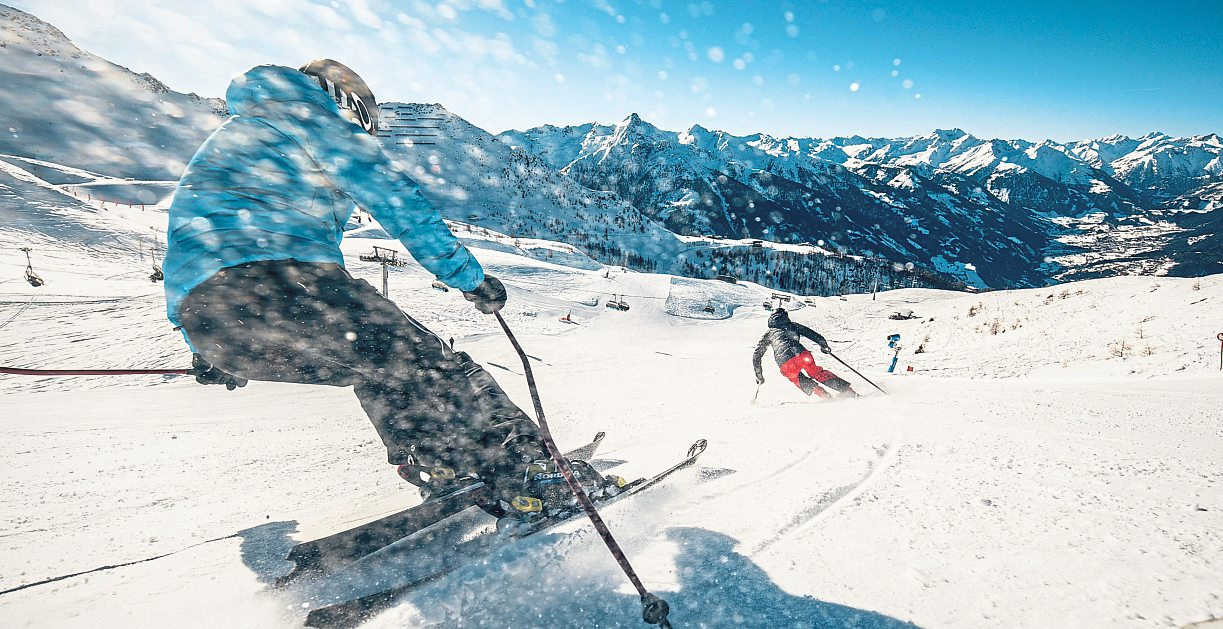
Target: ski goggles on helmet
point(350, 93)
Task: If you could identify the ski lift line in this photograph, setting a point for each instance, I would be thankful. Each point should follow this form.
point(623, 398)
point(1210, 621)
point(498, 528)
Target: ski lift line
point(93, 372)
point(594, 292)
point(19, 311)
point(91, 301)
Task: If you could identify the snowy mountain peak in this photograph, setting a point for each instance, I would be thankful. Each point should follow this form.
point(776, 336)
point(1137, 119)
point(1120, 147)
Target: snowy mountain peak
point(1212, 138)
point(948, 135)
point(634, 130)
point(18, 28)
point(697, 129)
point(634, 120)
point(62, 104)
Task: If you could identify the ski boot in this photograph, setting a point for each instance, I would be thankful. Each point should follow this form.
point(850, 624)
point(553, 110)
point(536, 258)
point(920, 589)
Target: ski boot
point(434, 481)
point(545, 493)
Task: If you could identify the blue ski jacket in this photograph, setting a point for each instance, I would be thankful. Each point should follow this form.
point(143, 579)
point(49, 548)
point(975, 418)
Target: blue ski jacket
point(280, 178)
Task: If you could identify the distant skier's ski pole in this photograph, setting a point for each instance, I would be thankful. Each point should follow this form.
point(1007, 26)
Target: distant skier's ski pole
point(654, 609)
point(93, 372)
point(859, 375)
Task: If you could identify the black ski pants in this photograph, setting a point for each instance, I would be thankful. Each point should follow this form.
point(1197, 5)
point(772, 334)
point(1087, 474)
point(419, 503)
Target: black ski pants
point(291, 321)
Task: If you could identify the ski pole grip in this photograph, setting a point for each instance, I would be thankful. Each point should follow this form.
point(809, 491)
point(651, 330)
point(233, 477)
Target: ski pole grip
point(654, 610)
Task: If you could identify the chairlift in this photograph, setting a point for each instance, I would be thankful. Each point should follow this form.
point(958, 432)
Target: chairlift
point(30, 275)
point(617, 304)
point(709, 307)
point(156, 275)
point(387, 258)
point(382, 255)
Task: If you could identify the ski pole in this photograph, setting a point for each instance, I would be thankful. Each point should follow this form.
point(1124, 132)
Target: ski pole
point(859, 375)
point(757, 394)
point(93, 372)
point(654, 610)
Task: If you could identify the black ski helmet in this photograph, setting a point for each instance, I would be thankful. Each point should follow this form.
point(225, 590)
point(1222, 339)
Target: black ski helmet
point(779, 318)
point(354, 97)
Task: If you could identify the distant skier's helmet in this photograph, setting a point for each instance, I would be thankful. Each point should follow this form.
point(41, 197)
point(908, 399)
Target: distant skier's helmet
point(779, 319)
point(354, 97)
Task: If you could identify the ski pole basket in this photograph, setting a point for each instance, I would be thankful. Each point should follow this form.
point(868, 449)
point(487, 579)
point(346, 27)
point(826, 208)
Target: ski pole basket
point(30, 275)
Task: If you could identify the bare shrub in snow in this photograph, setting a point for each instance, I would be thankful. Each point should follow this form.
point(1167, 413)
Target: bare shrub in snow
point(1120, 348)
point(1196, 285)
point(996, 326)
point(975, 310)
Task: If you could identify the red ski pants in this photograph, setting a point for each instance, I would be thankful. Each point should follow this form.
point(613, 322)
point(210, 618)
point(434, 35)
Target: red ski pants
point(803, 368)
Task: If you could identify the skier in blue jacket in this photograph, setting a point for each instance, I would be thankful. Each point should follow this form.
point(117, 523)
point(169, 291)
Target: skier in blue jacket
point(255, 279)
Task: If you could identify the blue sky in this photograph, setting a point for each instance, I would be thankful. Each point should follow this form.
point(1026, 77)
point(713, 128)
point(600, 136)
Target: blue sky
point(1060, 70)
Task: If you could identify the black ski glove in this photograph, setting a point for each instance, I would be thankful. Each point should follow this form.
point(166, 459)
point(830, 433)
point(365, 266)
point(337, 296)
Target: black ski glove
point(489, 296)
point(826, 349)
point(759, 379)
point(206, 373)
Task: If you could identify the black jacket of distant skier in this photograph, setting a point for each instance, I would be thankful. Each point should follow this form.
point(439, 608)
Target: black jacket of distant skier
point(784, 336)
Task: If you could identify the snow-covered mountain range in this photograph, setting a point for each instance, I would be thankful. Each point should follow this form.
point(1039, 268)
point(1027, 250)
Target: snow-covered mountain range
point(1021, 212)
point(931, 210)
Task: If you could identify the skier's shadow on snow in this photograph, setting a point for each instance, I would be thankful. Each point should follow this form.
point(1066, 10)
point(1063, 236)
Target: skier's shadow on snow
point(722, 588)
point(717, 587)
point(265, 547)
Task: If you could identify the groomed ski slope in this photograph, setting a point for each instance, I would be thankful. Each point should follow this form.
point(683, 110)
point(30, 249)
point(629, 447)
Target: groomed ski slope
point(1023, 475)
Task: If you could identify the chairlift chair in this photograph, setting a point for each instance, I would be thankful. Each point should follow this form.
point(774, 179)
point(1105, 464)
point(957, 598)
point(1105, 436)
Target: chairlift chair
point(30, 275)
point(709, 307)
point(615, 303)
point(32, 278)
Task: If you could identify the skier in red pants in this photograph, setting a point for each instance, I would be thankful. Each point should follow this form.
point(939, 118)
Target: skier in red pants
point(796, 362)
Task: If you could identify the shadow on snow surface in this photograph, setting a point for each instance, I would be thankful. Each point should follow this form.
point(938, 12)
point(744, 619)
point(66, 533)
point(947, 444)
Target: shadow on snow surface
point(533, 585)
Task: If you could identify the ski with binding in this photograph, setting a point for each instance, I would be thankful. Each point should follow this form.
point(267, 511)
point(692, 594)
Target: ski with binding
point(354, 612)
point(337, 550)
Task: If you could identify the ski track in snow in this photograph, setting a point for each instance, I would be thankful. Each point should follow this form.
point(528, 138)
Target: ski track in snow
point(822, 503)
